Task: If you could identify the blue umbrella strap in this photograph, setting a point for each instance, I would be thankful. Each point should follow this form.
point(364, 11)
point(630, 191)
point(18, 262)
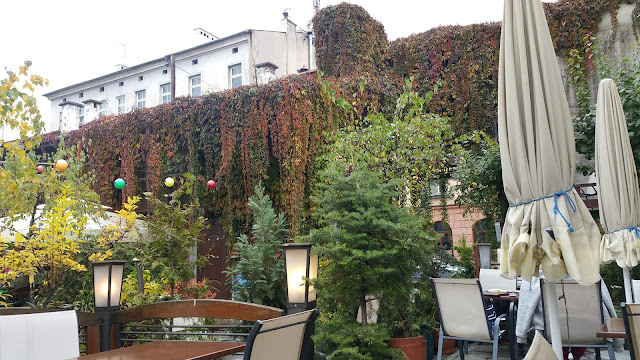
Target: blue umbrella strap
point(555, 197)
point(630, 229)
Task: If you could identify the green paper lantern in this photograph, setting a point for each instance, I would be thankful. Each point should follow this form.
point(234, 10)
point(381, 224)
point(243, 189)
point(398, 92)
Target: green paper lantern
point(119, 183)
point(169, 182)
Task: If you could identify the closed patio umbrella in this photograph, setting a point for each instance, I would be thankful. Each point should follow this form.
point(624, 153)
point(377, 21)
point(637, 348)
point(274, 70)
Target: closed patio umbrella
point(547, 224)
point(617, 179)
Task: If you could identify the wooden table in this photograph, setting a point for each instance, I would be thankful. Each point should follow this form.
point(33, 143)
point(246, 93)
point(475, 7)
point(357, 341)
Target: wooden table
point(612, 328)
point(170, 350)
point(507, 295)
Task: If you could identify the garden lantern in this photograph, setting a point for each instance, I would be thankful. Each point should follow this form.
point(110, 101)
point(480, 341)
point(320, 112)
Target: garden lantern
point(301, 267)
point(484, 255)
point(107, 287)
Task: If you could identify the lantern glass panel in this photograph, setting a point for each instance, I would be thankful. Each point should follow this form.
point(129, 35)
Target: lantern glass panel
point(116, 284)
point(313, 274)
point(296, 262)
point(101, 285)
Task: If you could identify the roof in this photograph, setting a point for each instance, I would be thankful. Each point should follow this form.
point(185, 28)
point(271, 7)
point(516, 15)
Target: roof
point(139, 66)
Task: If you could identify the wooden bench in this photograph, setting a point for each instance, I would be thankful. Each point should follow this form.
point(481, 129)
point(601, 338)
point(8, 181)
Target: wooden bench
point(226, 320)
point(88, 327)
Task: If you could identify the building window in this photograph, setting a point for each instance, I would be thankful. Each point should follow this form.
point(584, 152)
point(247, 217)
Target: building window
point(444, 230)
point(165, 93)
point(195, 86)
point(479, 232)
point(234, 50)
point(101, 88)
point(164, 71)
point(140, 78)
point(80, 95)
point(141, 98)
point(121, 83)
point(235, 76)
point(102, 109)
point(120, 102)
point(80, 115)
point(194, 62)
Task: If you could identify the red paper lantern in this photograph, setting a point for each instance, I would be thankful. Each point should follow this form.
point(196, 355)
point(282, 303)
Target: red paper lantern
point(40, 169)
point(211, 184)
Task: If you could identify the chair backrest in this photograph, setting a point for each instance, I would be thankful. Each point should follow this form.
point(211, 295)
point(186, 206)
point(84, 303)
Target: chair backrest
point(88, 326)
point(635, 287)
point(281, 338)
point(461, 308)
point(45, 335)
point(631, 315)
point(540, 349)
point(584, 308)
point(491, 279)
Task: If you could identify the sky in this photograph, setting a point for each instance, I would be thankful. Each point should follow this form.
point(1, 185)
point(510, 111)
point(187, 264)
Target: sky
point(70, 41)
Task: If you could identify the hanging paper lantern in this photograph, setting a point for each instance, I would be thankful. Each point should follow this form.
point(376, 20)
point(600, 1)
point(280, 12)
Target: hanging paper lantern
point(119, 183)
point(61, 165)
point(40, 169)
point(211, 184)
point(169, 182)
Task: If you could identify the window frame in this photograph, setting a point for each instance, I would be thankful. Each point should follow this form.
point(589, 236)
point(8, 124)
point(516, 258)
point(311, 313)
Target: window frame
point(102, 109)
point(192, 87)
point(142, 100)
point(121, 107)
point(444, 232)
point(80, 116)
point(232, 77)
point(480, 233)
point(163, 94)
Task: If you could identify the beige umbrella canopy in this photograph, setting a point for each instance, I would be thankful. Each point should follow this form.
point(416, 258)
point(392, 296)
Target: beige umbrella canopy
point(547, 225)
point(617, 179)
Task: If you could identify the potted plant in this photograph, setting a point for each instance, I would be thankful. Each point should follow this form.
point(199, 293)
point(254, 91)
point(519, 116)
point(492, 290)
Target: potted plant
point(368, 244)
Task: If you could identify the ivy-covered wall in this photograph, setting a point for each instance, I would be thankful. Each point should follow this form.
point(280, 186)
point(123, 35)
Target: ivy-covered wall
point(273, 133)
point(462, 61)
point(348, 41)
point(239, 138)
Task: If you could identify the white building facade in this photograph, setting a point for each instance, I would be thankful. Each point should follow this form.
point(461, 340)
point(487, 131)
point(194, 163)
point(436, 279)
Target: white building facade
point(247, 58)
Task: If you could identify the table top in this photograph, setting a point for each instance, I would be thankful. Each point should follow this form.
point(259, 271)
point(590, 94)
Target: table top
point(506, 295)
point(612, 328)
point(170, 350)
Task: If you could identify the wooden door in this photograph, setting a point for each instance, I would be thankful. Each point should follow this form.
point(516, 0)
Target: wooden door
point(214, 248)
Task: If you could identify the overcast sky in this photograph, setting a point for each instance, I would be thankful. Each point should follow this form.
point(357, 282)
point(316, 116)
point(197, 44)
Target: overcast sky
point(70, 41)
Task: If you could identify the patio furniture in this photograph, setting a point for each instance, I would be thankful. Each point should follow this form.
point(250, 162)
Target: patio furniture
point(50, 335)
point(540, 349)
point(170, 350)
point(635, 286)
point(283, 338)
point(87, 326)
point(170, 320)
point(581, 317)
point(462, 313)
point(613, 328)
point(491, 279)
point(631, 316)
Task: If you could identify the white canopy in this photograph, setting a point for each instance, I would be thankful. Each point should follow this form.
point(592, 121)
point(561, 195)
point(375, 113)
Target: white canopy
point(94, 226)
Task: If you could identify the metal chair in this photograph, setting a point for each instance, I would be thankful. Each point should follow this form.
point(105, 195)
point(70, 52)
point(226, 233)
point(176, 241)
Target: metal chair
point(285, 338)
point(585, 315)
point(631, 315)
point(462, 314)
point(540, 349)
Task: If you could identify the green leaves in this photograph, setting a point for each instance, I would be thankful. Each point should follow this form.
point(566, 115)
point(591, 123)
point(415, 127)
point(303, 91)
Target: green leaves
point(256, 259)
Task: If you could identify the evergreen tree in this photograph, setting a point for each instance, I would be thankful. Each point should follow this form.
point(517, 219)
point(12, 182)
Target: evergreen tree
point(257, 257)
point(369, 245)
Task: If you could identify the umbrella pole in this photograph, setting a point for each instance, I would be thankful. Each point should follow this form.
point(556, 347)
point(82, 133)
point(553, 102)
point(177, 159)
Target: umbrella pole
point(554, 322)
point(628, 293)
